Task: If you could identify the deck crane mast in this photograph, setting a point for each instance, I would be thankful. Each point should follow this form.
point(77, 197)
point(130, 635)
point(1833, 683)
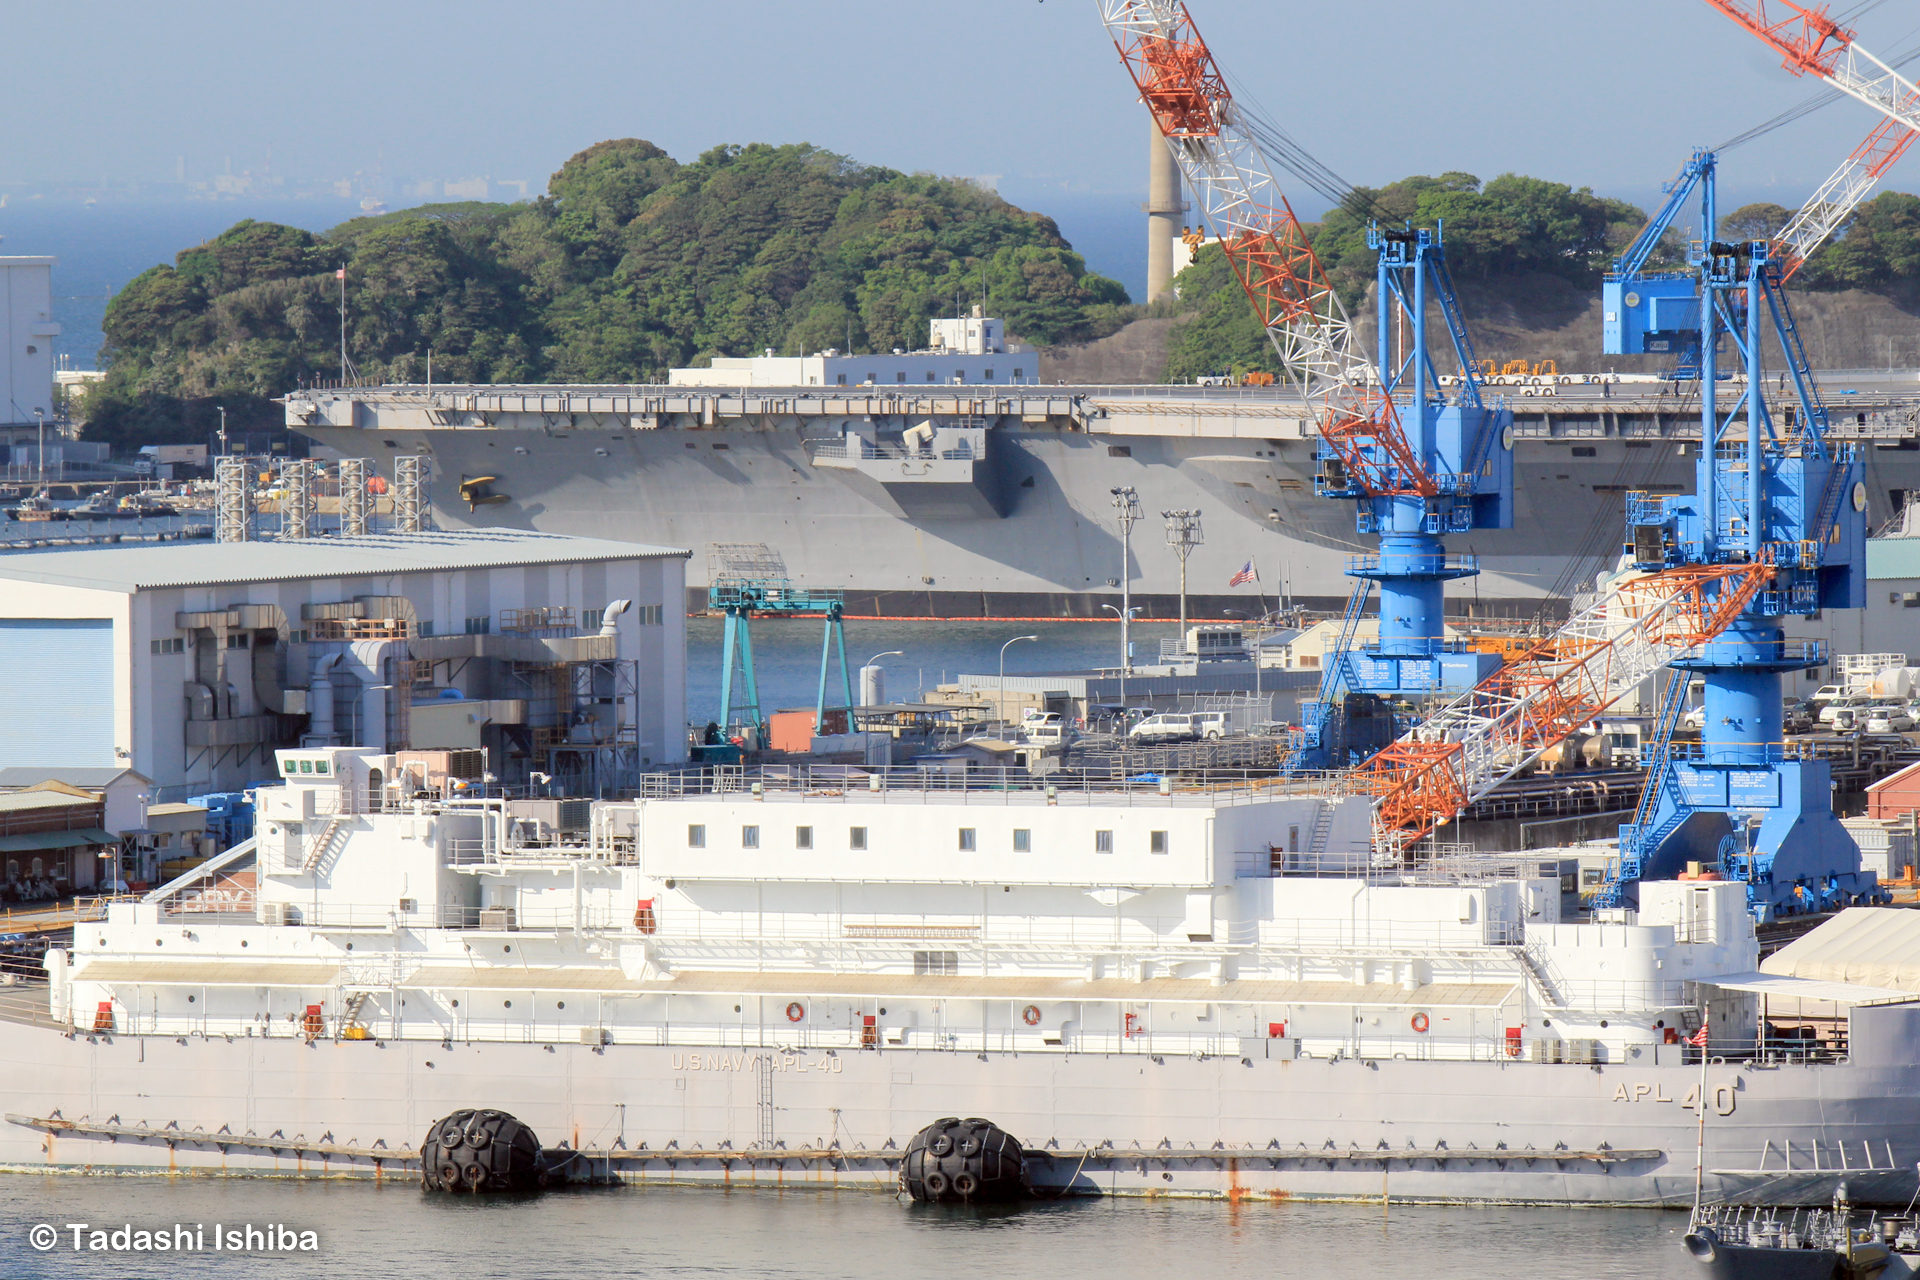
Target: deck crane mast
point(1772, 488)
point(1416, 464)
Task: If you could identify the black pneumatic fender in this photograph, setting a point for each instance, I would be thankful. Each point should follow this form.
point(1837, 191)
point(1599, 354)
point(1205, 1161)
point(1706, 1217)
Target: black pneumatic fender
point(972, 1161)
point(475, 1151)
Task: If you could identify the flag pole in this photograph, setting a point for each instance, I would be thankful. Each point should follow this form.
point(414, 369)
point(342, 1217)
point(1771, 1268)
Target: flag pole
point(1700, 1142)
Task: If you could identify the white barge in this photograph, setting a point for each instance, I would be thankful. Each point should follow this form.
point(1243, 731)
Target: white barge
point(1158, 988)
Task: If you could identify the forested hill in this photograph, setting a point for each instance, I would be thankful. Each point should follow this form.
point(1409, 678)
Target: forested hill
point(1528, 256)
point(633, 264)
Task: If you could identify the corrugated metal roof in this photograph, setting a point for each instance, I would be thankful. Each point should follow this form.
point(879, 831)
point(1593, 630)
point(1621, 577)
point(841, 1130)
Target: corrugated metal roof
point(174, 564)
point(206, 973)
point(1870, 946)
point(1172, 990)
point(24, 801)
point(37, 840)
point(1893, 557)
point(171, 810)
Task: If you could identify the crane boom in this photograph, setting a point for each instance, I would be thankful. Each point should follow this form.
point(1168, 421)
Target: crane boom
point(1264, 242)
point(1812, 43)
point(1462, 751)
point(1829, 208)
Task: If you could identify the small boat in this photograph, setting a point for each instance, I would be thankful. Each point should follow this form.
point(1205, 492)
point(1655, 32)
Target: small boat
point(1745, 1242)
point(39, 507)
point(99, 505)
point(146, 504)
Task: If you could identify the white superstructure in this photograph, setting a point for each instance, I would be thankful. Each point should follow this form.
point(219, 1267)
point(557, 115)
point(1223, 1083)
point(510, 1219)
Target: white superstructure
point(965, 350)
point(1066, 921)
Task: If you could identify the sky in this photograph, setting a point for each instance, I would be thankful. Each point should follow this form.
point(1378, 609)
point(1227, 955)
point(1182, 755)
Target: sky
point(1609, 94)
point(1026, 93)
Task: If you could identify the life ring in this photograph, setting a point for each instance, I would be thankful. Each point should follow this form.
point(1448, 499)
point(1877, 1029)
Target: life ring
point(1031, 1015)
point(1420, 1023)
point(796, 1011)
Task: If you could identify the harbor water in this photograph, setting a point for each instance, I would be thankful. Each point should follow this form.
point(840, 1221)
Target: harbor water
point(372, 1232)
point(787, 655)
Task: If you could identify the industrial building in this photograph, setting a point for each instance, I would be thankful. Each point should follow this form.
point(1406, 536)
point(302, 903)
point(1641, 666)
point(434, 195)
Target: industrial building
point(28, 328)
point(553, 655)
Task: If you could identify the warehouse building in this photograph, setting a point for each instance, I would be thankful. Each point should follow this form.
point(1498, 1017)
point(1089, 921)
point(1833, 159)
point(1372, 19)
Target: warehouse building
point(528, 652)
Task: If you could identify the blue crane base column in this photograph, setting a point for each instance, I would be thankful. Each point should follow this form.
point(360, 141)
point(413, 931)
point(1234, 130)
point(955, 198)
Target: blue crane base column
point(1779, 833)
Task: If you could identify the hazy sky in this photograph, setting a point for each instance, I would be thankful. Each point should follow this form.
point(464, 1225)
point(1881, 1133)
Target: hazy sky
point(1610, 94)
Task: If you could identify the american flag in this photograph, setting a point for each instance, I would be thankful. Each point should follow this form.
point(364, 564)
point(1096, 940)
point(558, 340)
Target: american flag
point(1247, 574)
point(1699, 1038)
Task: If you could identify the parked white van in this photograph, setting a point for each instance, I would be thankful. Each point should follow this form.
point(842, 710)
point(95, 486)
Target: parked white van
point(1166, 727)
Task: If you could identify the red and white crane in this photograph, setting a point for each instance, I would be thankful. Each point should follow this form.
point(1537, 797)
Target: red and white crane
point(1812, 43)
point(1266, 244)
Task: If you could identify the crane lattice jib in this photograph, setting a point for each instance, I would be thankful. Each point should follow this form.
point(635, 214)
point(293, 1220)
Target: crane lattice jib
point(1264, 242)
point(1466, 748)
point(1812, 43)
point(1823, 215)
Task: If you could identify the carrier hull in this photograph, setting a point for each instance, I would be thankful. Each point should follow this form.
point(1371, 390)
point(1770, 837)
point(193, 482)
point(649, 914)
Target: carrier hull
point(1215, 1126)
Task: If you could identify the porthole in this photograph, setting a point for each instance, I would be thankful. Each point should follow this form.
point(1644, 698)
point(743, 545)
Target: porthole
point(509, 1004)
point(562, 1004)
point(456, 1004)
point(506, 948)
point(191, 999)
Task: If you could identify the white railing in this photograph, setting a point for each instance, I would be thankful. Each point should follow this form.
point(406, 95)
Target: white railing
point(917, 784)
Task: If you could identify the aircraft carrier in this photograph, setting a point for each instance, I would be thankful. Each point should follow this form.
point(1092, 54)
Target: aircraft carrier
point(1007, 511)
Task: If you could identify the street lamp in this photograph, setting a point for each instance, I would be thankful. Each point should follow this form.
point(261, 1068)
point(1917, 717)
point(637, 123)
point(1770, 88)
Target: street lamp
point(1183, 535)
point(223, 429)
point(1126, 506)
point(1002, 708)
point(872, 690)
point(1125, 618)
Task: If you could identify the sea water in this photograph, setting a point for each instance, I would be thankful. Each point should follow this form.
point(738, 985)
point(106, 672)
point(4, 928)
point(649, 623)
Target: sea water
point(787, 655)
point(368, 1232)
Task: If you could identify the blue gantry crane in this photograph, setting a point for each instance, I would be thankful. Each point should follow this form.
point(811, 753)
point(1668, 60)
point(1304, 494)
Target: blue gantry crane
point(746, 579)
point(1466, 446)
point(1771, 487)
point(1657, 311)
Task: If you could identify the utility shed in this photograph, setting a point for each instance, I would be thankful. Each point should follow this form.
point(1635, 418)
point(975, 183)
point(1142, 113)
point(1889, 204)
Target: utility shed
point(50, 843)
point(1867, 946)
point(1895, 796)
point(191, 663)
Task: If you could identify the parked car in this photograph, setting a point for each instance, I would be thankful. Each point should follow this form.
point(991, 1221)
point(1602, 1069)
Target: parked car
point(1695, 718)
point(1212, 724)
point(1797, 715)
point(1852, 702)
point(1889, 718)
point(1048, 735)
point(1165, 727)
point(1827, 693)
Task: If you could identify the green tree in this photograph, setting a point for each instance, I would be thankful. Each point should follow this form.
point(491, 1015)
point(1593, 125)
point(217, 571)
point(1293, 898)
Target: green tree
point(631, 265)
point(1224, 335)
point(1880, 248)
